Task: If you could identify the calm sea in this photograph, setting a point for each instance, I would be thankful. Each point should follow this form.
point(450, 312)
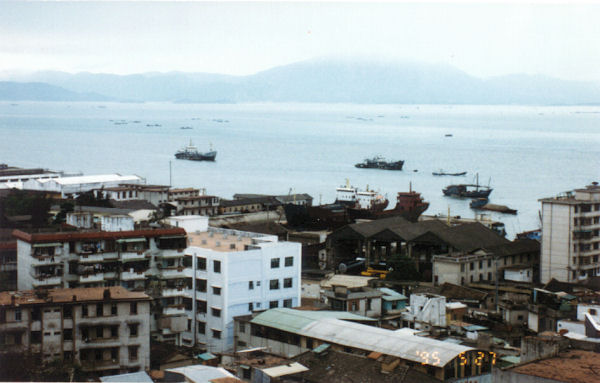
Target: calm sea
point(525, 153)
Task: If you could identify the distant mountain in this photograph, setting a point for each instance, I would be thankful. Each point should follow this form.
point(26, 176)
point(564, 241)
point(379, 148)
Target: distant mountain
point(37, 91)
point(353, 81)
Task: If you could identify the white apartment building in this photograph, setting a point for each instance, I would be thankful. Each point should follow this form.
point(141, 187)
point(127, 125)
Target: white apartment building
point(155, 194)
point(106, 330)
point(235, 273)
point(570, 235)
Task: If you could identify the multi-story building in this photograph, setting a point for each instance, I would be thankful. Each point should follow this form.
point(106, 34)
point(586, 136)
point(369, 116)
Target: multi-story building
point(571, 235)
point(507, 261)
point(106, 330)
point(176, 193)
point(235, 273)
point(150, 260)
point(155, 194)
point(198, 205)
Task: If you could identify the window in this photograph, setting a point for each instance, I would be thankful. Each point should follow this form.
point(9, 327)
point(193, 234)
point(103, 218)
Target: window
point(489, 263)
point(273, 304)
point(462, 267)
point(36, 314)
point(133, 352)
point(201, 285)
point(201, 263)
point(18, 315)
point(368, 303)
point(250, 306)
point(133, 329)
point(287, 303)
point(36, 337)
point(99, 332)
point(481, 264)
point(217, 266)
point(287, 282)
point(68, 312)
point(472, 265)
point(274, 284)
point(216, 290)
point(216, 312)
point(216, 334)
point(246, 373)
point(114, 353)
point(68, 355)
point(289, 261)
point(251, 285)
point(201, 307)
point(274, 263)
point(113, 309)
point(133, 308)
point(68, 334)
point(242, 327)
point(99, 310)
point(201, 328)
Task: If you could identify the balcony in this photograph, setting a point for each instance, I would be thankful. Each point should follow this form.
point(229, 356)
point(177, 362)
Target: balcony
point(89, 278)
point(173, 292)
point(46, 260)
point(133, 275)
point(90, 258)
point(100, 342)
point(133, 256)
point(47, 281)
point(171, 253)
point(97, 365)
point(173, 272)
point(174, 310)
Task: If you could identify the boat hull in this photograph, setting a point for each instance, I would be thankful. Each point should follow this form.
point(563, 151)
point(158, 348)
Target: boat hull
point(210, 156)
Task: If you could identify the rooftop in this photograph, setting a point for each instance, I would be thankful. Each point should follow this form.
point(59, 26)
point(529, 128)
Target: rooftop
point(95, 179)
point(82, 235)
point(80, 294)
point(573, 366)
point(222, 240)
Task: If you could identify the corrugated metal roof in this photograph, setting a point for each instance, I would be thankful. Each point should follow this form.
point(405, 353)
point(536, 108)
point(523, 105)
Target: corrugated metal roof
point(399, 344)
point(294, 320)
point(141, 376)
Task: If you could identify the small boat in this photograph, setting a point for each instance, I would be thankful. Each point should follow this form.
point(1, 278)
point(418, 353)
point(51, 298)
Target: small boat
point(186, 127)
point(378, 162)
point(190, 152)
point(483, 204)
point(448, 135)
point(468, 190)
point(443, 173)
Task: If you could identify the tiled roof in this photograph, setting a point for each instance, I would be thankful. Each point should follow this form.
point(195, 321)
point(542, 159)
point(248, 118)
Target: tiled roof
point(81, 235)
point(573, 366)
point(80, 294)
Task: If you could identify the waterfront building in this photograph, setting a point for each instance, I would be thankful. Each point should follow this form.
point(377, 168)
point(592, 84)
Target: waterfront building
point(198, 205)
point(571, 235)
point(105, 329)
point(70, 186)
point(154, 194)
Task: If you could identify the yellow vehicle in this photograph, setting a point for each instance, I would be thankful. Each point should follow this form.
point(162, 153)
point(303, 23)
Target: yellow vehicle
point(371, 272)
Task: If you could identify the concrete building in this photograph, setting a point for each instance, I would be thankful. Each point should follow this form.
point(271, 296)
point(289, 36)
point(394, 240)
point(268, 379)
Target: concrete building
point(512, 261)
point(106, 330)
point(13, 177)
point(198, 205)
point(570, 235)
point(425, 311)
point(155, 194)
point(363, 301)
point(151, 260)
point(69, 186)
point(235, 273)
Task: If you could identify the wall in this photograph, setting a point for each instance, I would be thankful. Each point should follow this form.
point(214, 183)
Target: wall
point(556, 242)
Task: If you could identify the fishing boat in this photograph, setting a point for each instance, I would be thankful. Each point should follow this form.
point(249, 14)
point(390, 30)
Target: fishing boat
point(443, 173)
point(190, 152)
point(378, 162)
point(468, 190)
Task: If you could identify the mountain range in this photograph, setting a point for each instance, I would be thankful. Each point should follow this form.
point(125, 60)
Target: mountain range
point(321, 80)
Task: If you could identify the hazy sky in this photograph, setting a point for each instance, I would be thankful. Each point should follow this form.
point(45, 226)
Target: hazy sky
point(560, 40)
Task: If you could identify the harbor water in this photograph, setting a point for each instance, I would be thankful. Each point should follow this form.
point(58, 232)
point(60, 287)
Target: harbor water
point(523, 152)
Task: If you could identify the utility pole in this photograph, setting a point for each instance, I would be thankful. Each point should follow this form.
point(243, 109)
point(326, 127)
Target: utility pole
point(170, 177)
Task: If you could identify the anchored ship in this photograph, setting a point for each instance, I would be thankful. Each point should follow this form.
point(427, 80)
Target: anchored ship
point(190, 152)
point(352, 204)
point(468, 190)
point(379, 162)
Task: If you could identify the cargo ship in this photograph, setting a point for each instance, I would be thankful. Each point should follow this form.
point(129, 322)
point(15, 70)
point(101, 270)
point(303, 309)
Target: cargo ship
point(379, 162)
point(190, 152)
point(468, 190)
point(409, 205)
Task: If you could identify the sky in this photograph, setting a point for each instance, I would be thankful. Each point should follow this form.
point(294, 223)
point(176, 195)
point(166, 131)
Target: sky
point(483, 39)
